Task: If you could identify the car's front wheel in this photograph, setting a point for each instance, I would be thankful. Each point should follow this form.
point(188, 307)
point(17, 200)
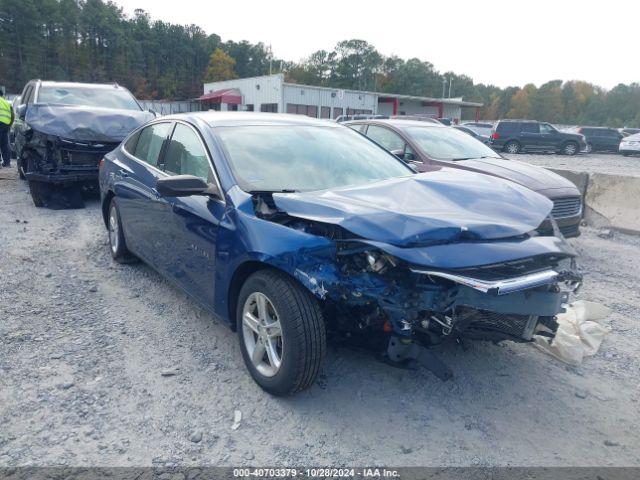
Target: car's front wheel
point(512, 147)
point(281, 331)
point(570, 148)
point(117, 244)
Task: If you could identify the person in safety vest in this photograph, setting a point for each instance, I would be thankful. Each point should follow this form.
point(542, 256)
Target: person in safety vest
point(6, 120)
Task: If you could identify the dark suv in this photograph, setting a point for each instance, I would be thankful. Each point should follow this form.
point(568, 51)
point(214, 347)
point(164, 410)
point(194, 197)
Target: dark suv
point(63, 130)
point(514, 136)
point(601, 139)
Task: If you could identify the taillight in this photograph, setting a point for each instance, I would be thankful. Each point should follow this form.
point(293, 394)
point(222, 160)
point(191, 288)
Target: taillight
point(495, 136)
point(101, 162)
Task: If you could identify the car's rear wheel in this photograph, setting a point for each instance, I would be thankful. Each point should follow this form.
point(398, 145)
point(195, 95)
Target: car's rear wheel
point(281, 332)
point(512, 147)
point(570, 148)
point(117, 244)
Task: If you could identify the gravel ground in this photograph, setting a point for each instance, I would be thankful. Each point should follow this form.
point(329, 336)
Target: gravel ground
point(108, 365)
point(610, 163)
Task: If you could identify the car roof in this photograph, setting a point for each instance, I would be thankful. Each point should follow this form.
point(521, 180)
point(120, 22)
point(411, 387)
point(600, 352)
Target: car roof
point(231, 119)
point(398, 123)
point(105, 86)
point(514, 120)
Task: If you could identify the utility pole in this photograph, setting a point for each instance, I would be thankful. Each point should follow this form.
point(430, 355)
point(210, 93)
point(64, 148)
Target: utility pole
point(270, 55)
point(444, 85)
point(450, 80)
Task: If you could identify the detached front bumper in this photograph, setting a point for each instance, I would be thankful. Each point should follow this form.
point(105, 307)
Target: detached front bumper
point(64, 177)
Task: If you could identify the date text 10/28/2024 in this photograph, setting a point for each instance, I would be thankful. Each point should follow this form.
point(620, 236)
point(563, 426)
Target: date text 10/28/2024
point(372, 472)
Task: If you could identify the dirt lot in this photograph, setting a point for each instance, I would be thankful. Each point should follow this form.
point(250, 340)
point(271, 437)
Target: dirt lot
point(609, 163)
point(105, 364)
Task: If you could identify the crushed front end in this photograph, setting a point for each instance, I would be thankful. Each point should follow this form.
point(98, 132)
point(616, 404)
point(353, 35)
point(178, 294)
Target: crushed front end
point(54, 159)
point(485, 282)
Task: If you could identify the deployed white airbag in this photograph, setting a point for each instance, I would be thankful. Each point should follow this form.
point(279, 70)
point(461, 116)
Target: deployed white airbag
point(581, 330)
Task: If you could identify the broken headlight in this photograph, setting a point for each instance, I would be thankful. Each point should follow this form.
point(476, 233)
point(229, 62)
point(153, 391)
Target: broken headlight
point(379, 262)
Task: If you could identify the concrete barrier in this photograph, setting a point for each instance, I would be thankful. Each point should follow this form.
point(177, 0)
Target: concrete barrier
point(610, 200)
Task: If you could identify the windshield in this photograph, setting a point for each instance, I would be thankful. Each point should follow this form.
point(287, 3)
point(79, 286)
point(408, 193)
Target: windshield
point(304, 158)
point(448, 143)
point(88, 97)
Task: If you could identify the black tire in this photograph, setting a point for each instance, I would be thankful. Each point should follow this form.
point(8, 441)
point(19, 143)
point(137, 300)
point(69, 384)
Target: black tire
point(117, 244)
point(570, 148)
point(512, 147)
point(39, 192)
point(624, 154)
point(303, 332)
point(20, 169)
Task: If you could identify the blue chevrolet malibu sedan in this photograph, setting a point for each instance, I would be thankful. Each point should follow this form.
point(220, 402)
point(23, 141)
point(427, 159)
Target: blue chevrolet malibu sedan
point(288, 228)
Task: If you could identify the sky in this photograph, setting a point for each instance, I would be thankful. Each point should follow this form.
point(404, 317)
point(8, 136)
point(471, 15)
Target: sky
point(499, 42)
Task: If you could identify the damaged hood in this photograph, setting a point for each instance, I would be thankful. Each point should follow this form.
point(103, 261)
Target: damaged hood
point(83, 123)
point(531, 176)
point(445, 206)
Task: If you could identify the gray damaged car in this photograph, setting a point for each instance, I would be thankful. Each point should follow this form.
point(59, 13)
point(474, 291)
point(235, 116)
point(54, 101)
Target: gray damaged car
point(63, 130)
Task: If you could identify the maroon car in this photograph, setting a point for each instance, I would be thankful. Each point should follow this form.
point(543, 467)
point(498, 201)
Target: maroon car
point(428, 146)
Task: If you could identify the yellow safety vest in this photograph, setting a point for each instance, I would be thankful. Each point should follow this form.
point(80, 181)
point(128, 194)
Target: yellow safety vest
point(5, 112)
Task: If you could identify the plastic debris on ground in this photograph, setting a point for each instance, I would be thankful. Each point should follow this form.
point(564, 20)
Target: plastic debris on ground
point(581, 330)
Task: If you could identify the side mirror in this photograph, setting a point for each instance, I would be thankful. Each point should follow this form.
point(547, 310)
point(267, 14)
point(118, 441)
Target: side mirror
point(21, 110)
point(398, 153)
point(185, 186)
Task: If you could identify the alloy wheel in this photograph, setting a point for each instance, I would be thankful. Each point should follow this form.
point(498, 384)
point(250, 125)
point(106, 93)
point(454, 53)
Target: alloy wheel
point(512, 148)
point(570, 149)
point(262, 334)
point(113, 229)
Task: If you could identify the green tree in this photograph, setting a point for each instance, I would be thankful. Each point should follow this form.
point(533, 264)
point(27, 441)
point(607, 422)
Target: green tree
point(221, 67)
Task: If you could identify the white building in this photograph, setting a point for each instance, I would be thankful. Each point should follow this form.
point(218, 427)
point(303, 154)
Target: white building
point(270, 93)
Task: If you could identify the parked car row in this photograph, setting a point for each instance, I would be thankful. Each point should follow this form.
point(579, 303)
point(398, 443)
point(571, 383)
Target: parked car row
point(401, 234)
point(516, 136)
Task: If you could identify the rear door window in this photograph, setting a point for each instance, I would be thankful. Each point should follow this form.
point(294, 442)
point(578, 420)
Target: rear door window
point(546, 128)
point(508, 127)
point(132, 141)
point(385, 137)
point(358, 127)
point(186, 155)
point(151, 141)
point(27, 96)
point(530, 128)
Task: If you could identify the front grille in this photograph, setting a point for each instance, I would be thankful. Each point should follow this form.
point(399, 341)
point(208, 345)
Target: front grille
point(566, 207)
point(86, 154)
point(81, 158)
point(570, 230)
point(483, 323)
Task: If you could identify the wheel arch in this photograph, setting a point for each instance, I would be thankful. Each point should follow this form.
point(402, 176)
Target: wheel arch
point(567, 142)
point(106, 201)
point(240, 276)
point(512, 141)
